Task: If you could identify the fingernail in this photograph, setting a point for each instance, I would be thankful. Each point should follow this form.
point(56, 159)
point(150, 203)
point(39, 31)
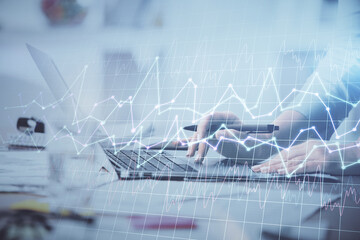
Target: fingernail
point(254, 168)
point(281, 171)
point(264, 169)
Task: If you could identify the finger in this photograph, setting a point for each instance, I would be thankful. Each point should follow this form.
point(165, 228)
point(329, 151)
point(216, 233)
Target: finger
point(192, 146)
point(293, 166)
point(277, 160)
point(284, 156)
point(191, 150)
point(291, 170)
point(297, 150)
point(229, 133)
point(315, 163)
point(267, 166)
point(203, 128)
point(180, 142)
point(272, 168)
point(201, 132)
point(295, 161)
point(202, 146)
point(202, 151)
point(302, 165)
point(284, 164)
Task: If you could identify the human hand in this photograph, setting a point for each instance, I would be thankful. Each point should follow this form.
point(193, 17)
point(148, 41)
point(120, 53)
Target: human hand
point(198, 142)
point(306, 157)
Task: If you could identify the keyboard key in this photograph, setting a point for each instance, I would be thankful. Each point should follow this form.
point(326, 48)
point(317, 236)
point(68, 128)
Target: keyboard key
point(116, 160)
point(143, 161)
point(169, 160)
point(175, 167)
point(132, 164)
point(149, 160)
point(164, 159)
point(153, 161)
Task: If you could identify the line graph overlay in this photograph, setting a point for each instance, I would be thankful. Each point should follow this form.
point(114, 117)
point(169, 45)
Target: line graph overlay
point(163, 107)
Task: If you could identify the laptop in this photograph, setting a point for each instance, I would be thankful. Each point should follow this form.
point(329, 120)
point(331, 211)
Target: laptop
point(132, 162)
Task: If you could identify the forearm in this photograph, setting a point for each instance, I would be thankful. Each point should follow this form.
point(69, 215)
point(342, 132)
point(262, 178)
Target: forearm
point(259, 147)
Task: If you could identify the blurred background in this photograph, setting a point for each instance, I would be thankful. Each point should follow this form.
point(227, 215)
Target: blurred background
point(151, 48)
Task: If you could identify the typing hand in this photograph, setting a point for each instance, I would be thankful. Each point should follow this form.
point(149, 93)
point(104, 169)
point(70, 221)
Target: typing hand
point(197, 141)
point(309, 156)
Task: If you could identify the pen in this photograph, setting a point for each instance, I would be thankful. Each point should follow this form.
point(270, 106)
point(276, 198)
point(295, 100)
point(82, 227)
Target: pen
point(252, 128)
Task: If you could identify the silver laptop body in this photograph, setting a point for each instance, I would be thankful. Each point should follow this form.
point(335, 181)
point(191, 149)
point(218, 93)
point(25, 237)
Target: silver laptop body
point(131, 162)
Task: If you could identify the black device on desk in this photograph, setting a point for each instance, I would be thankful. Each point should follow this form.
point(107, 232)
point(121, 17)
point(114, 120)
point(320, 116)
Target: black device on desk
point(131, 162)
point(31, 137)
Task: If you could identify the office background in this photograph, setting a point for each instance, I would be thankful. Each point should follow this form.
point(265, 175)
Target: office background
point(190, 56)
point(253, 45)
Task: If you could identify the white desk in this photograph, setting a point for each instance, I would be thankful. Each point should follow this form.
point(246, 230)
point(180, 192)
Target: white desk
point(219, 210)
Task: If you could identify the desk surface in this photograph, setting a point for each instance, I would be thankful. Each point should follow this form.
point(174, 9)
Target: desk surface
point(222, 210)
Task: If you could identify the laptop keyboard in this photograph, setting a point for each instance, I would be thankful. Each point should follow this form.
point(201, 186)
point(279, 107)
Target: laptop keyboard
point(147, 160)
